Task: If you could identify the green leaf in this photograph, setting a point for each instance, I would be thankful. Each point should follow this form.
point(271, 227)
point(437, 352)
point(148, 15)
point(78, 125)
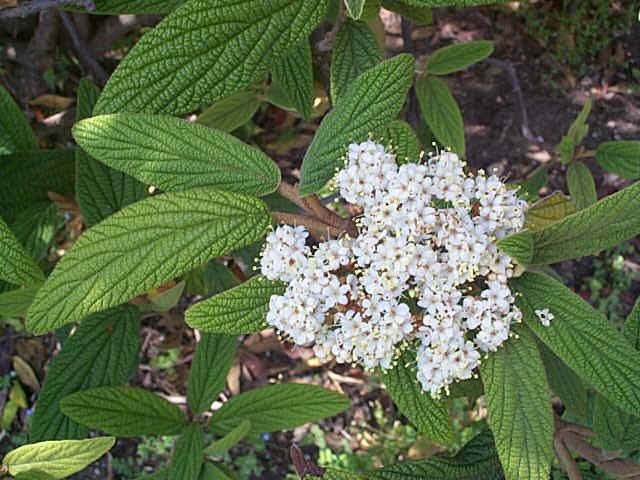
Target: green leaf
point(632, 326)
point(402, 140)
point(176, 155)
point(549, 210)
point(355, 50)
point(457, 57)
point(278, 407)
point(186, 461)
point(441, 112)
point(209, 370)
point(575, 135)
point(430, 416)
point(88, 94)
point(620, 157)
point(354, 8)
point(582, 186)
point(132, 7)
point(15, 132)
point(418, 15)
point(519, 405)
point(27, 178)
point(240, 310)
point(200, 53)
point(16, 266)
point(209, 279)
point(57, 459)
point(293, 72)
point(166, 300)
point(35, 227)
point(230, 112)
point(102, 352)
point(530, 186)
point(373, 100)
point(582, 338)
point(608, 222)
point(519, 247)
point(15, 303)
point(143, 246)
point(123, 411)
point(230, 440)
point(217, 471)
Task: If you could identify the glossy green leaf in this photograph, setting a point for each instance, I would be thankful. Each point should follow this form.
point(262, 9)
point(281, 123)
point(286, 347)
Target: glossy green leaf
point(355, 50)
point(57, 459)
point(373, 100)
point(101, 352)
point(549, 210)
point(441, 112)
point(187, 458)
point(293, 72)
point(416, 14)
point(242, 309)
point(278, 407)
point(209, 369)
point(16, 266)
point(458, 56)
point(582, 186)
point(123, 411)
point(143, 246)
point(430, 416)
point(620, 157)
point(200, 53)
point(176, 155)
point(577, 131)
point(519, 405)
point(15, 132)
point(231, 439)
point(15, 303)
point(582, 338)
point(230, 112)
point(402, 140)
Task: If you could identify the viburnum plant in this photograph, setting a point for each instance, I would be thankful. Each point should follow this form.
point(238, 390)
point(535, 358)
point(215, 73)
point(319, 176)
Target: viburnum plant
point(432, 275)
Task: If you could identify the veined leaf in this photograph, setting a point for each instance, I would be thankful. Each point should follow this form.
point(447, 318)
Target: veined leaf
point(430, 416)
point(202, 52)
point(27, 178)
point(242, 309)
point(123, 411)
point(458, 56)
point(519, 247)
point(230, 112)
point(418, 15)
point(176, 155)
point(15, 303)
point(373, 100)
point(620, 157)
point(187, 458)
point(548, 210)
point(632, 326)
point(582, 338)
point(355, 50)
point(16, 266)
point(577, 131)
point(88, 94)
point(582, 186)
point(35, 227)
point(132, 7)
point(403, 141)
point(56, 459)
point(209, 369)
point(354, 8)
point(441, 112)
point(15, 132)
point(519, 404)
point(608, 222)
point(222, 446)
point(102, 352)
point(293, 71)
point(278, 407)
point(143, 246)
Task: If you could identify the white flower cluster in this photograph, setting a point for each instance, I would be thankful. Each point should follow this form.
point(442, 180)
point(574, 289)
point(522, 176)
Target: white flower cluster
point(423, 270)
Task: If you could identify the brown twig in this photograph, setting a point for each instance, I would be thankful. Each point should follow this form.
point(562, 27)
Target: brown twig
point(317, 228)
point(87, 61)
point(326, 44)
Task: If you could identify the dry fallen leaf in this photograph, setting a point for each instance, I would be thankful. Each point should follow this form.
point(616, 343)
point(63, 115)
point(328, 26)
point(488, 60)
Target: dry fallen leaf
point(57, 102)
point(25, 373)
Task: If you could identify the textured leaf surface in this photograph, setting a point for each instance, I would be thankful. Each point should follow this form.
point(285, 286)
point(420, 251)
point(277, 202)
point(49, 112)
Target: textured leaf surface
point(403, 141)
point(518, 247)
point(242, 309)
point(16, 266)
point(143, 246)
point(186, 461)
point(441, 112)
point(15, 133)
point(230, 112)
point(458, 56)
point(355, 50)
point(278, 407)
point(57, 459)
point(27, 178)
point(293, 71)
point(519, 405)
point(35, 227)
point(582, 186)
point(354, 8)
point(430, 416)
point(610, 221)
point(209, 370)
point(373, 100)
point(621, 158)
point(202, 52)
point(123, 411)
point(176, 155)
point(549, 210)
point(15, 303)
point(222, 446)
point(102, 352)
point(582, 338)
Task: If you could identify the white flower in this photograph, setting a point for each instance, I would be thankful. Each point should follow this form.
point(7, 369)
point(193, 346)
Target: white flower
point(545, 316)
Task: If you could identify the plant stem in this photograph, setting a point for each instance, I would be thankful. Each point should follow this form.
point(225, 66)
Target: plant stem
point(317, 228)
